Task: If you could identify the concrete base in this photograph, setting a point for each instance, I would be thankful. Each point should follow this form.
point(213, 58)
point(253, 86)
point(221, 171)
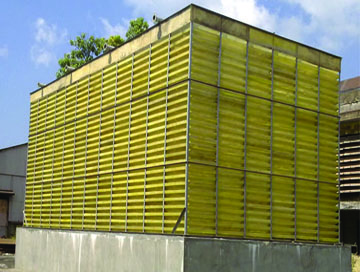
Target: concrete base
point(69, 251)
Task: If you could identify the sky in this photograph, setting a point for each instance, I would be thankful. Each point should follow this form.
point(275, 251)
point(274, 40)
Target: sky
point(35, 34)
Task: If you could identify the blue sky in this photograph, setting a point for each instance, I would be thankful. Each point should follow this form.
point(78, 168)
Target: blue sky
point(34, 34)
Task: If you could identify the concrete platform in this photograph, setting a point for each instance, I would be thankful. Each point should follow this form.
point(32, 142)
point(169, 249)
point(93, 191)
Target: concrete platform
point(75, 251)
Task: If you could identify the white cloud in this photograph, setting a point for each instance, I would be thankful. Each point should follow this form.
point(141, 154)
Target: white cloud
point(46, 33)
point(4, 51)
point(327, 24)
point(47, 37)
point(111, 30)
point(41, 56)
point(247, 11)
point(331, 24)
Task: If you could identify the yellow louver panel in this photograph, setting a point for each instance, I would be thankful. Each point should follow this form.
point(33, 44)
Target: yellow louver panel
point(108, 151)
point(229, 133)
point(262, 151)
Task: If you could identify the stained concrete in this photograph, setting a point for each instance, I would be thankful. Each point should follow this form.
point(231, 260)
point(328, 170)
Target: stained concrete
point(258, 256)
point(74, 251)
point(69, 251)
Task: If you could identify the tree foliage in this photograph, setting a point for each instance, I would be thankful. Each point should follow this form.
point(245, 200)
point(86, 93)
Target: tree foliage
point(87, 48)
point(136, 27)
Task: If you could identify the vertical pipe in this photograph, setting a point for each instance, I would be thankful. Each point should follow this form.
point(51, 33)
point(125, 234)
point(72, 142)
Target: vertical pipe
point(62, 163)
point(113, 148)
point(271, 141)
point(128, 155)
point(217, 140)
point(318, 157)
point(53, 160)
point(99, 149)
point(43, 163)
point(295, 143)
point(187, 131)
point(165, 138)
point(86, 143)
point(73, 170)
point(34, 165)
point(245, 129)
point(146, 136)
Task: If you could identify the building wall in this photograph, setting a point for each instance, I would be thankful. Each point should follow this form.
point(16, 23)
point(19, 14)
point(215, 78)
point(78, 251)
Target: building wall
point(12, 178)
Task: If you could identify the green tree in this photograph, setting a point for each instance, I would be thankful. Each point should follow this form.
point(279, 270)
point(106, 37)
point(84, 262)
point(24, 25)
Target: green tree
point(115, 41)
point(136, 27)
point(88, 48)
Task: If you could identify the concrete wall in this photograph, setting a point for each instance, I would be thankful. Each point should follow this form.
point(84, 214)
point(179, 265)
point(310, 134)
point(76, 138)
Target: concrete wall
point(69, 251)
point(41, 250)
point(12, 178)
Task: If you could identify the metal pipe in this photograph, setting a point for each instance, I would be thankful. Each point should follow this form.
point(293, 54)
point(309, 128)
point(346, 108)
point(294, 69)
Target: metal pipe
point(108, 48)
point(156, 19)
point(69, 68)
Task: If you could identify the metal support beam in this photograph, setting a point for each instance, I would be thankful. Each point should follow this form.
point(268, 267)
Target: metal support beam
point(99, 149)
point(217, 140)
point(113, 148)
point(245, 130)
point(53, 160)
point(318, 160)
point(62, 160)
point(86, 143)
point(146, 136)
point(295, 142)
point(129, 135)
point(339, 177)
point(271, 141)
point(73, 170)
point(165, 137)
point(43, 162)
point(188, 131)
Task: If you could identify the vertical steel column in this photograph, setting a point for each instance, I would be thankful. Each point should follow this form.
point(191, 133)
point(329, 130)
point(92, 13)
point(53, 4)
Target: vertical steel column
point(99, 150)
point(295, 142)
point(43, 163)
point(146, 136)
point(188, 131)
point(128, 157)
point(113, 147)
point(86, 142)
point(271, 140)
point(73, 170)
point(34, 172)
point(217, 140)
point(339, 178)
point(245, 129)
point(53, 160)
point(62, 162)
point(318, 158)
point(165, 132)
